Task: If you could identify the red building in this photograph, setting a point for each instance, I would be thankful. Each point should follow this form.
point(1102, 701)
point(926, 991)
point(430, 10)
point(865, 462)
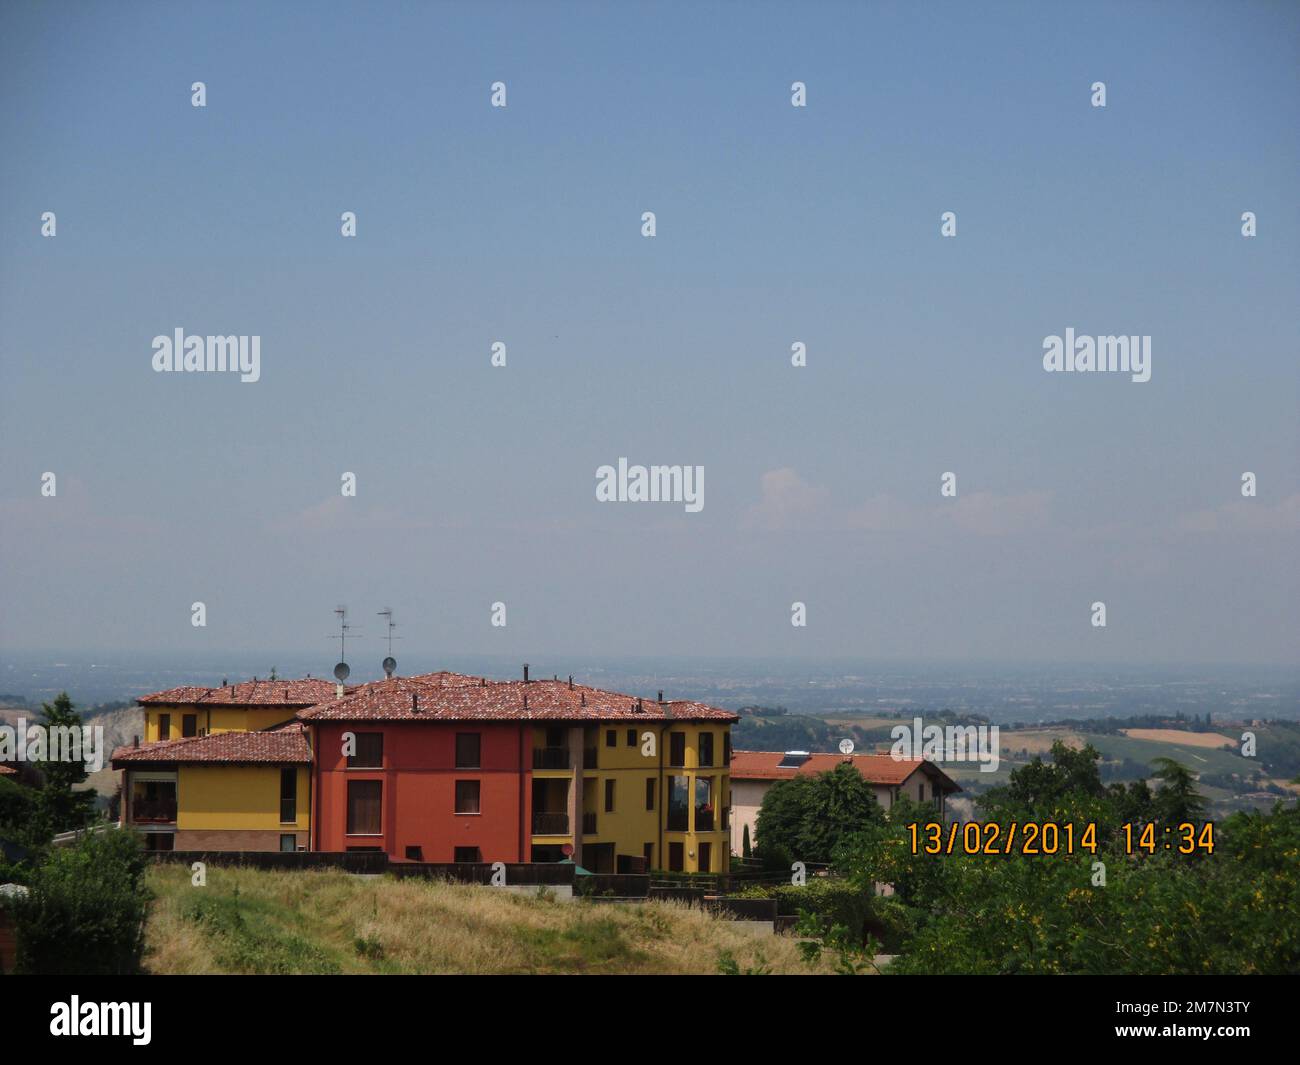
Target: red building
point(451, 768)
point(424, 791)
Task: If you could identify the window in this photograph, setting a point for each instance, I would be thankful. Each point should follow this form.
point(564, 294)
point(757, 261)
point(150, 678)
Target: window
point(631, 737)
point(703, 804)
point(706, 858)
point(189, 725)
point(677, 748)
point(706, 748)
point(288, 842)
point(609, 795)
point(288, 796)
point(679, 803)
point(370, 751)
point(611, 737)
point(467, 796)
point(726, 748)
point(920, 792)
point(467, 750)
point(365, 797)
point(467, 854)
point(415, 854)
point(649, 851)
point(650, 793)
point(164, 726)
point(676, 863)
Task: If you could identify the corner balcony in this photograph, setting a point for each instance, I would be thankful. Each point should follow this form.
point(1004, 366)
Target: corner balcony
point(550, 824)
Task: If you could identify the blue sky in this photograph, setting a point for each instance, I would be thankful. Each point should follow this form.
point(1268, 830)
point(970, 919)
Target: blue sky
point(775, 224)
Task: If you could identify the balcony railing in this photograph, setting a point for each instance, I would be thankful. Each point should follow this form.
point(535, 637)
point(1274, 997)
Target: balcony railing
point(677, 821)
point(703, 820)
point(550, 824)
point(550, 758)
point(163, 810)
point(588, 824)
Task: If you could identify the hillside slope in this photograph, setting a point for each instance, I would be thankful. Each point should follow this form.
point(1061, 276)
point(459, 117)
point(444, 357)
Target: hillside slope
point(253, 921)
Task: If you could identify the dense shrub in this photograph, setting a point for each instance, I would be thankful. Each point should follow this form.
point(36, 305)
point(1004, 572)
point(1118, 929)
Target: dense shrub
point(840, 902)
point(86, 908)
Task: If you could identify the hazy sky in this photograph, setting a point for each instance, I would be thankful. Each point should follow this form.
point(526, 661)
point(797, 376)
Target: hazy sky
point(775, 224)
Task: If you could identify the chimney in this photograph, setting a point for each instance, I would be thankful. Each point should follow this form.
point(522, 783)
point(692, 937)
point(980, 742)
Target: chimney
point(661, 696)
point(135, 741)
point(525, 672)
point(415, 702)
point(639, 708)
point(584, 698)
point(525, 700)
point(338, 690)
point(570, 682)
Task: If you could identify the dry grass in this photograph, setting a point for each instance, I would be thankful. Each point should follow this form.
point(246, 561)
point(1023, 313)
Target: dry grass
point(1178, 736)
point(251, 921)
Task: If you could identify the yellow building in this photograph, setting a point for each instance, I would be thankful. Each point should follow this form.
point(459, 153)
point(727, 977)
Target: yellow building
point(225, 768)
point(235, 791)
point(658, 790)
point(192, 712)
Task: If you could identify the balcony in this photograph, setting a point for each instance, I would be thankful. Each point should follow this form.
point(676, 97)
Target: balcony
point(677, 820)
point(589, 824)
point(155, 811)
point(550, 758)
point(550, 824)
point(704, 819)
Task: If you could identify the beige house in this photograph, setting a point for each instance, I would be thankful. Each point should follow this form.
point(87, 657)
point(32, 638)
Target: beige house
point(753, 772)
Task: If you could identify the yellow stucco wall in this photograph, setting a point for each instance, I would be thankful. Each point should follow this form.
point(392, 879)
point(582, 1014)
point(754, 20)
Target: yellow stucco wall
point(237, 797)
point(215, 719)
point(630, 826)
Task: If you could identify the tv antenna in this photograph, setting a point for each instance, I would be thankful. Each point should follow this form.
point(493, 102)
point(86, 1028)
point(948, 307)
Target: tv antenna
point(390, 663)
point(342, 671)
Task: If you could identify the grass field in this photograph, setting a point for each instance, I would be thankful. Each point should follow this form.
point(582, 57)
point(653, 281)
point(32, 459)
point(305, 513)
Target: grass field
point(254, 921)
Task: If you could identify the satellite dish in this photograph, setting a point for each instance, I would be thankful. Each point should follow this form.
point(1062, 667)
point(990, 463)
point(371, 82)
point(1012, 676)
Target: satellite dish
point(846, 746)
point(341, 672)
point(390, 666)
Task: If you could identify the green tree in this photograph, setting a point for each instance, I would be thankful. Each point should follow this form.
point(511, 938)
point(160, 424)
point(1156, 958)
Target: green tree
point(1041, 786)
point(59, 807)
point(810, 817)
point(1176, 800)
point(746, 848)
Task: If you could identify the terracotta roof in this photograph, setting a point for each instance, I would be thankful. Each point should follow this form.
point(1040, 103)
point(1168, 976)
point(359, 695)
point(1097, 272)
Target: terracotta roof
point(875, 768)
point(6, 771)
point(304, 692)
point(282, 745)
point(455, 697)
